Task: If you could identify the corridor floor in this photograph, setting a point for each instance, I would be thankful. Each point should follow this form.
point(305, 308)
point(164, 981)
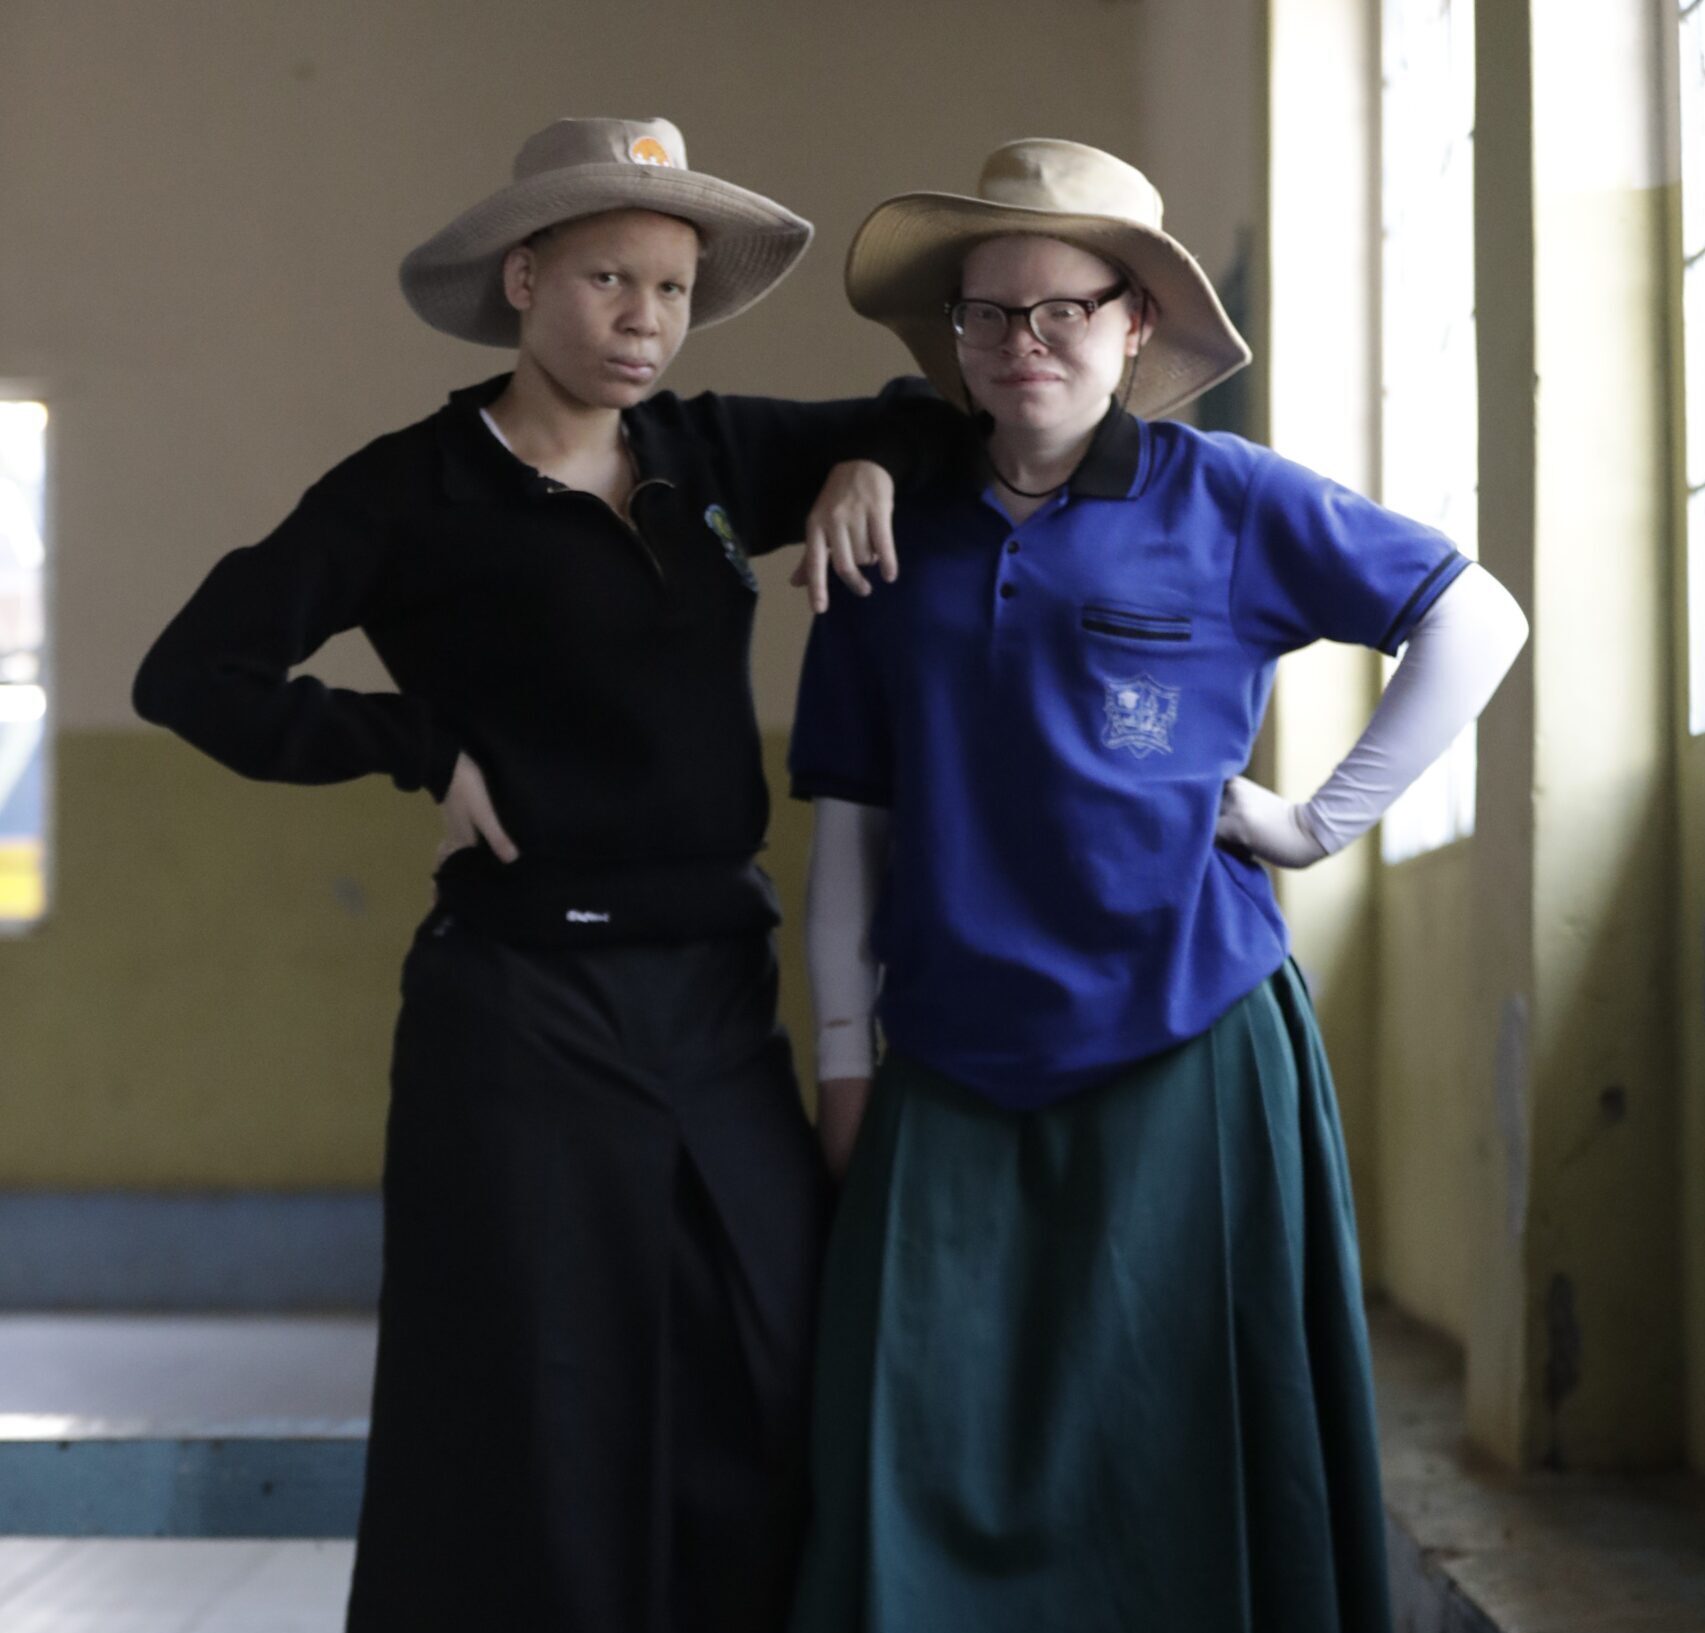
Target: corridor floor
point(101, 1376)
point(1476, 1552)
point(127, 1585)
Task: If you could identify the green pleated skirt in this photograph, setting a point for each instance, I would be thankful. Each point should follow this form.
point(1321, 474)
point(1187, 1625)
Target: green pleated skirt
point(1104, 1365)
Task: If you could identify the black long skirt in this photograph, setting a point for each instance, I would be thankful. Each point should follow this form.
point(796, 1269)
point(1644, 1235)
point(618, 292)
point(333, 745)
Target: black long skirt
point(604, 1213)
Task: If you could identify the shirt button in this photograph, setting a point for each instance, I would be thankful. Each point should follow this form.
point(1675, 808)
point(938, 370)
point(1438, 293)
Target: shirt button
point(1008, 591)
point(1012, 547)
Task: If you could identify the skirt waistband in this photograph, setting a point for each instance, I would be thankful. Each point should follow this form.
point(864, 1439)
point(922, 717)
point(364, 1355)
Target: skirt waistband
point(554, 903)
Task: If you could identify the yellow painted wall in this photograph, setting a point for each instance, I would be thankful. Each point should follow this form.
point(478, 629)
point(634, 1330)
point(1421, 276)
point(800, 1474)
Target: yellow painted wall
point(1690, 1007)
point(1605, 838)
point(211, 1001)
point(1689, 879)
point(1524, 1024)
point(1690, 896)
point(1427, 1086)
point(211, 1004)
point(1574, 1346)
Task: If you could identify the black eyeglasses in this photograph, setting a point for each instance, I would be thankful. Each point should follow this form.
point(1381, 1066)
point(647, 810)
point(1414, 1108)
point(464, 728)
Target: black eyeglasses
point(1058, 322)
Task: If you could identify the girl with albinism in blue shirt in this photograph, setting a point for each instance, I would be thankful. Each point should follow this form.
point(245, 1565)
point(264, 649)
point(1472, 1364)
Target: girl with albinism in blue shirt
point(1092, 1352)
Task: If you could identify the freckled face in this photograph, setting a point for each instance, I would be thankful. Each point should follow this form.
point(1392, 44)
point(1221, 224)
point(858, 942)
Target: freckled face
point(605, 302)
point(1024, 384)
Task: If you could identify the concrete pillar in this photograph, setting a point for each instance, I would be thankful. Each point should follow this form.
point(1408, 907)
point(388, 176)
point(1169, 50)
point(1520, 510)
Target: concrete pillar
point(1574, 1355)
point(1690, 759)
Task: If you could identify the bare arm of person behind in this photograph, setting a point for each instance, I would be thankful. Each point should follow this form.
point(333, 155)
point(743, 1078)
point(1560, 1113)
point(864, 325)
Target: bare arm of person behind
point(848, 845)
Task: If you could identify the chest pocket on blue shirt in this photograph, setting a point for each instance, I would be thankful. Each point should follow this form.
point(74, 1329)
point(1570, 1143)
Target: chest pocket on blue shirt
point(1134, 625)
point(1140, 692)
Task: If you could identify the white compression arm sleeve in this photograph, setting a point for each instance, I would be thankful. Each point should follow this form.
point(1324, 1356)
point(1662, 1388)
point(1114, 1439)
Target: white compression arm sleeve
point(848, 845)
point(1456, 655)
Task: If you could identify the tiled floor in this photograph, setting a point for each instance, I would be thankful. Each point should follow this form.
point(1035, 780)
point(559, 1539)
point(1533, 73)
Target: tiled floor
point(121, 1586)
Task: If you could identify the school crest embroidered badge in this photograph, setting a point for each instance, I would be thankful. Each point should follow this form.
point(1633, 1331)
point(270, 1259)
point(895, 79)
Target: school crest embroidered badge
point(1140, 715)
point(716, 519)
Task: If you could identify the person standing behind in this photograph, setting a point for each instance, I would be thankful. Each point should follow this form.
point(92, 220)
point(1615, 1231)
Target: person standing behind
point(603, 1206)
point(1092, 1352)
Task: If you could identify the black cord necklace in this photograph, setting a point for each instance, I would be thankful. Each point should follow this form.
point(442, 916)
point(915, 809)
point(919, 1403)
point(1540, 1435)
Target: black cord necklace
point(1013, 487)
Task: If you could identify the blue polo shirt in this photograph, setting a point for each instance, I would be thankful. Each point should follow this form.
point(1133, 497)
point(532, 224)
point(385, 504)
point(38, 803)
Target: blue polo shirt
point(1049, 710)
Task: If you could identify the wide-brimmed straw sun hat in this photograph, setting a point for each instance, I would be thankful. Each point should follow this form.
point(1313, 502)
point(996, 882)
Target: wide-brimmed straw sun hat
point(579, 167)
point(905, 262)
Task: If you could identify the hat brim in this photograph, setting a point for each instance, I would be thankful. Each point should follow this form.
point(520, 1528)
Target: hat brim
point(454, 281)
point(905, 262)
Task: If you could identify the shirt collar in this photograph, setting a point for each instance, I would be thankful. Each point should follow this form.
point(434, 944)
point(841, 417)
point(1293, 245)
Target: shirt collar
point(478, 467)
point(1111, 466)
point(475, 464)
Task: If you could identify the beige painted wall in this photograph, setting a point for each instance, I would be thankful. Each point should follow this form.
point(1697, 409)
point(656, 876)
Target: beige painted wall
point(205, 204)
point(201, 210)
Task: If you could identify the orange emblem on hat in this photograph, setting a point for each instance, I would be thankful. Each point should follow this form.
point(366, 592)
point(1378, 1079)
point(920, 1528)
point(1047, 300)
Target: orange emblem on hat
point(648, 150)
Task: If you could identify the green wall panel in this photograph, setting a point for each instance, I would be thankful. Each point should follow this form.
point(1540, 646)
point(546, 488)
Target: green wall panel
point(210, 1001)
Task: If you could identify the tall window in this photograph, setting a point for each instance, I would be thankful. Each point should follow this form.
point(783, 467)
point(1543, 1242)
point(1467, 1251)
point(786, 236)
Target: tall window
point(23, 689)
point(1693, 328)
point(1429, 403)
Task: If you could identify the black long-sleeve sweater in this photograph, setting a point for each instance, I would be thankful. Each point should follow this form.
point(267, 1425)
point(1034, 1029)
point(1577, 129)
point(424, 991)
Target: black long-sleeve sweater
point(596, 671)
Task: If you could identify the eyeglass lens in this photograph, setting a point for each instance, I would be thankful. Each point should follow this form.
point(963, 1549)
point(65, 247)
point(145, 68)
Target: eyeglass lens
point(982, 324)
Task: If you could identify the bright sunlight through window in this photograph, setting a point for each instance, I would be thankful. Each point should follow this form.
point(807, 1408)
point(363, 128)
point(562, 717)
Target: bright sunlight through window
point(1429, 405)
point(23, 692)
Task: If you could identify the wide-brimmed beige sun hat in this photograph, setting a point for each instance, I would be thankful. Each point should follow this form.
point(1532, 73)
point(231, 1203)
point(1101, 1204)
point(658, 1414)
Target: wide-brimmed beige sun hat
point(579, 167)
point(905, 262)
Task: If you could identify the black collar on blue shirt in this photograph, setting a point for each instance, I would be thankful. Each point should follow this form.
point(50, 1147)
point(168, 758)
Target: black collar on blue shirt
point(1110, 463)
point(478, 467)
